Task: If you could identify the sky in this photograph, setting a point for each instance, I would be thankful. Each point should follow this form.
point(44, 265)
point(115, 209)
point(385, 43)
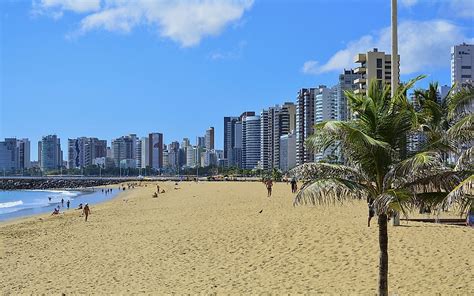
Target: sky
point(107, 68)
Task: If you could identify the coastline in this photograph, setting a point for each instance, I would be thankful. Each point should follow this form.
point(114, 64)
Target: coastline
point(42, 216)
point(210, 237)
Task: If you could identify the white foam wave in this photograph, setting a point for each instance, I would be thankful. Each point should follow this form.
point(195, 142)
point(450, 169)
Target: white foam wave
point(10, 204)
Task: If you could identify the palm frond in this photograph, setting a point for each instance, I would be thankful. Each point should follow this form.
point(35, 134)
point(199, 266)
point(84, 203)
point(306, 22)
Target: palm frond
point(465, 161)
point(329, 191)
point(461, 102)
point(410, 169)
point(463, 130)
point(462, 195)
point(316, 170)
point(394, 199)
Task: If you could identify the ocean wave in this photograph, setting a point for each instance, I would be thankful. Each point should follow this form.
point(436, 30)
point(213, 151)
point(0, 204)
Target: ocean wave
point(10, 204)
point(58, 192)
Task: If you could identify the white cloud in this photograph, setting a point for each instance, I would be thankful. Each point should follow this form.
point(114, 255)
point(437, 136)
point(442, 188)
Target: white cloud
point(183, 21)
point(233, 54)
point(457, 8)
point(56, 7)
point(310, 67)
point(408, 3)
point(422, 45)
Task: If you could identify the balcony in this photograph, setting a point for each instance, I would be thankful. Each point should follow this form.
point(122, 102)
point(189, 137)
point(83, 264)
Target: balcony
point(360, 70)
point(361, 57)
point(359, 91)
point(360, 81)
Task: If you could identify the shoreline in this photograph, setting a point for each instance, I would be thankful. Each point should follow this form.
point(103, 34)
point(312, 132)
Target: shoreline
point(41, 216)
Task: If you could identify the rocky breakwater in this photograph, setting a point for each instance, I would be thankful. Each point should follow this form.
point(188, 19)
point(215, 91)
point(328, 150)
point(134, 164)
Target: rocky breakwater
point(13, 184)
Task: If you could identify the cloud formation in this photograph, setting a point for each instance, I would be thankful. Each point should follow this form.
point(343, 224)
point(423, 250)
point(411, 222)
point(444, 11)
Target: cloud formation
point(183, 21)
point(457, 8)
point(422, 45)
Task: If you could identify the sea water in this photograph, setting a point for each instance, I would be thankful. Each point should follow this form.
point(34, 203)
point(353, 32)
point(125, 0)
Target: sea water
point(22, 203)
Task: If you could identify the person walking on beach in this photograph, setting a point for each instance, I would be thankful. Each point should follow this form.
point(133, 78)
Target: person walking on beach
point(370, 203)
point(68, 202)
point(269, 184)
point(294, 186)
point(62, 202)
point(86, 211)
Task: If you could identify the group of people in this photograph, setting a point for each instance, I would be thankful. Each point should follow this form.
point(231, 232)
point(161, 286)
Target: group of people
point(107, 190)
point(269, 185)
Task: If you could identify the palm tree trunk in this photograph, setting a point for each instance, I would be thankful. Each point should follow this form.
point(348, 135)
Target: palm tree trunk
point(383, 264)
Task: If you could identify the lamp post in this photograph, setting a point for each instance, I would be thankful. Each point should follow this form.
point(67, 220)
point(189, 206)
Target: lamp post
point(395, 72)
point(395, 63)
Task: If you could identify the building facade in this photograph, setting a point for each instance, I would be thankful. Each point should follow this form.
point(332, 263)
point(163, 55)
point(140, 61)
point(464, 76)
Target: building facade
point(209, 138)
point(50, 153)
point(82, 151)
point(229, 136)
point(124, 148)
point(345, 83)
point(374, 65)
point(9, 155)
point(287, 152)
point(155, 150)
point(462, 64)
point(304, 123)
point(250, 142)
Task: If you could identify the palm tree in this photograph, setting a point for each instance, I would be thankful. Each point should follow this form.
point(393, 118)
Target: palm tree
point(460, 109)
point(378, 166)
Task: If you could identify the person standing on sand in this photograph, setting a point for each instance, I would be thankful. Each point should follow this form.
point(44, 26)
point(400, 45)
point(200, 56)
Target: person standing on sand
point(269, 184)
point(86, 211)
point(294, 186)
point(62, 202)
point(68, 203)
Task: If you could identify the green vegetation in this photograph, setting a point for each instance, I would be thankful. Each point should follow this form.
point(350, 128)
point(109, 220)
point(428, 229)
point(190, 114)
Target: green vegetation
point(379, 166)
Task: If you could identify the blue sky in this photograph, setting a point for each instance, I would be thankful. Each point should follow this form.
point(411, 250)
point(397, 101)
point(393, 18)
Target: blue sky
point(106, 68)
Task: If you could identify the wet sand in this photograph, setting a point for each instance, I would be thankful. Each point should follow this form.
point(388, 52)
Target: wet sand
point(211, 237)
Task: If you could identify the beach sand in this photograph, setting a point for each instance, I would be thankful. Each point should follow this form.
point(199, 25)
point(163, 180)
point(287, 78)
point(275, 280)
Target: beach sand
point(211, 238)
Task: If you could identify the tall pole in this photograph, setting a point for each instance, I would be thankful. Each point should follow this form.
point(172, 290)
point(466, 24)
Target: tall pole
point(395, 70)
point(394, 81)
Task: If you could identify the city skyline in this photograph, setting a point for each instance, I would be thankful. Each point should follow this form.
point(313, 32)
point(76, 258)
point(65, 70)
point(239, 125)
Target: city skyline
point(82, 86)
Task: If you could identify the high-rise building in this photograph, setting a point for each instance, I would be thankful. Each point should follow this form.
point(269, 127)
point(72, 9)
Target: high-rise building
point(346, 83)
point(82, 151)
point(185, 144)
point(250, 142)
point(201, 142)
point(9, 155)
point(443, 91)
point(124, 150)
point(266, 138)
point(24, 153)
point(304, 123)
point(274, 122)
point(284, 122)
point(155, 150)
point(229, 136)
point(166, 158)
point(191, 156)
point(49, 150)
point(209, 138)
point(138, 153)
point(287, 152)
point(145, 152)
point(325, 108)
point(374, 65)
point(174, 155)
point(462, 64)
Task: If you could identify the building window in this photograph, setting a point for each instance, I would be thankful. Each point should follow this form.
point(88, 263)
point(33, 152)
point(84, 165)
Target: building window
point(379, 63)
point(379, 74)
point(465, 76)
point(465, 67)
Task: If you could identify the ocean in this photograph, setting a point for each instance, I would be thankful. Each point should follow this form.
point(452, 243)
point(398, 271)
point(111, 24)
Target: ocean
point(23, 203)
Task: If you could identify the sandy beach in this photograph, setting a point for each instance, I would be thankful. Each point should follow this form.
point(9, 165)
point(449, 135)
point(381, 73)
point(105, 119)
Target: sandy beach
point(227, 238)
